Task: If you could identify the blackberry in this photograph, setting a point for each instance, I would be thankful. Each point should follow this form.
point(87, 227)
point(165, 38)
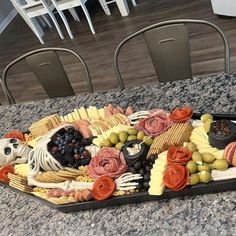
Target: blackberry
point(70, 130)
point(86, 142)
point(60, 158)
point(77, 135)
point(68, 149)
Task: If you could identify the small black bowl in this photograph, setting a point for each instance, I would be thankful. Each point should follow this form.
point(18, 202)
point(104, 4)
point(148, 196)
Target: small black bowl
point(141, 155)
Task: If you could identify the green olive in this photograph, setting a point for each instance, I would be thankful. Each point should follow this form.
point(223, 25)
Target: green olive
point(191, 146)
point(132, 131)
point(205, 176)
point(132, 137)
point(194, 179)
point(203, 167)
point(206, 116)
point(148, 140)
point(208, 157)
point(140, 135)
point(123, 135)
point(119, 145)
point(197, 157)
point(107, 143)
point(114, 138)
point(207, 125)
point(221, 164)
point(192, 167)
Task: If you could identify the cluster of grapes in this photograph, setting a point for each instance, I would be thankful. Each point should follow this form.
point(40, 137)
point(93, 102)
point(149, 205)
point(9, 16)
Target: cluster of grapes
point(68, 148)
point(144, 168)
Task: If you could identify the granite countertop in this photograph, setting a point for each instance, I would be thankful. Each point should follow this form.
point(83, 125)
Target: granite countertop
point(207, 214)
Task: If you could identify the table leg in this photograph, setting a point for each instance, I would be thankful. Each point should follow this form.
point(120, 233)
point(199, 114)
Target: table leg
point(123, 7)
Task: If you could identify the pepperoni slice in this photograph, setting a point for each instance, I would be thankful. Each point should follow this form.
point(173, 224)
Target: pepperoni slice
point(176, 177)
point(103, 188)
point(4, 172)
point(181, 114)
point(178, 155)
point(15, 134)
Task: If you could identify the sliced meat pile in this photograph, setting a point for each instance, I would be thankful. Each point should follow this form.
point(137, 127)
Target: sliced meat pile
point(107, 162)
point(83, 126)
point(79, 195)
point(230, 153)
point(110, 110)
point(155, 124)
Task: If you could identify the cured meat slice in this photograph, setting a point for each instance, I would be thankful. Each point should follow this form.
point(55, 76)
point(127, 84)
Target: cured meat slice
point(107, 162)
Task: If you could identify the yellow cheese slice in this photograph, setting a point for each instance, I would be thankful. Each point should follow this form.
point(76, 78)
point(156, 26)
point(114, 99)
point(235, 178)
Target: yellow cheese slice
point(94, 113)
point(70, 118)
point(76, 114)
point(83, 113)
point(101, 113)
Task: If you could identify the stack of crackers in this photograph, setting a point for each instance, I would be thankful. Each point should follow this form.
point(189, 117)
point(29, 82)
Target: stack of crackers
point(177, 134)
point(59, 176)
point(99, 126)
point(19, 182)
point(44, 125)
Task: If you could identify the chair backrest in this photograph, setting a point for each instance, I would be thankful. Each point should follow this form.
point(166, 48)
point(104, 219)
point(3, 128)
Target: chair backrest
point(168, 45)
point(48, 69)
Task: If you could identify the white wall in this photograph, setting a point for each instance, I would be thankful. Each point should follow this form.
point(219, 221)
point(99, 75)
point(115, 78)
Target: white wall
point(7, 13)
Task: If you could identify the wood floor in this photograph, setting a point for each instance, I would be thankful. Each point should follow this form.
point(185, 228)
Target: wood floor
point(98, 50)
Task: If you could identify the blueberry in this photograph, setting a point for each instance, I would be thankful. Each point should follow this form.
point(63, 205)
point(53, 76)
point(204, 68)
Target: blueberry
point(76, 150)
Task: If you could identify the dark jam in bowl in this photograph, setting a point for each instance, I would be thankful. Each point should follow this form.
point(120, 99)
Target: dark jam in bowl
point(221, 133)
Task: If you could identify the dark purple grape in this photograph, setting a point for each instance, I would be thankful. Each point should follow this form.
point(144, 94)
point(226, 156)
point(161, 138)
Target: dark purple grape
point(148, 168)
point(141, 171)
point(146, 176)
point(137, 165)
point(146, 185)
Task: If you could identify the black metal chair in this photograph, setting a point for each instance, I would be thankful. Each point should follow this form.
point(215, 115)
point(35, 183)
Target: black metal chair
point(48, 69)
point(168, 45)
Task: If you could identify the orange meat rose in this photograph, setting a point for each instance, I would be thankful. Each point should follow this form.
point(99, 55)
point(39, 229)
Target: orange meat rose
point(181, 114)
point(176, 177)
point(178, 155)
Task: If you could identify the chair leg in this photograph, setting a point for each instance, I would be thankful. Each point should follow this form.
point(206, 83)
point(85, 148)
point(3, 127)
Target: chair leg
point(123, 7)
point(34, 26)
point(56, 24)
point(134, 3)
point(47, 21)
point(41, 21)
point(65, 23)
point(74, 14)
point(105, 7)
point(88, 17)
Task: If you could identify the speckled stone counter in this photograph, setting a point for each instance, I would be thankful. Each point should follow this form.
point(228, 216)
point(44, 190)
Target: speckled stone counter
point(209, 214)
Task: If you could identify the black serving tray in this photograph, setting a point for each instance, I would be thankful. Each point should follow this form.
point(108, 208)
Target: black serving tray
point(212, 187)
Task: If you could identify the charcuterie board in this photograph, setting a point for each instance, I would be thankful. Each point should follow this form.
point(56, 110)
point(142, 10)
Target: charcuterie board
point(132, 194)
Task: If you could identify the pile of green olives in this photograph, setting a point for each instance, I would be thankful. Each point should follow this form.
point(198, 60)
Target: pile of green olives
point(201, 165)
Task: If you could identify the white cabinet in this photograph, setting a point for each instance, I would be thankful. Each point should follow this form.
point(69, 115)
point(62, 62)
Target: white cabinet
point(224, 7)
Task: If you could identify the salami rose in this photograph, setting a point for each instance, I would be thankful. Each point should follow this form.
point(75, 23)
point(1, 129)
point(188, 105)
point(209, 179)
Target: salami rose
point(178, 155)
point(15, 134)
point(181, 114)
point(176, 177)
point(107, 162)
point(155, 124)
point(103, 188)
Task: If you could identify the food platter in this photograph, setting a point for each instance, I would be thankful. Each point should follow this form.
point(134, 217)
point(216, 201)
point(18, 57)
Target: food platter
point(141, 196)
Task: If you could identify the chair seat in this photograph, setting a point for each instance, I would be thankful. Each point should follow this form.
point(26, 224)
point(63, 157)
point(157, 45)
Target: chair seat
point(67, 4)
point(38, 10)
